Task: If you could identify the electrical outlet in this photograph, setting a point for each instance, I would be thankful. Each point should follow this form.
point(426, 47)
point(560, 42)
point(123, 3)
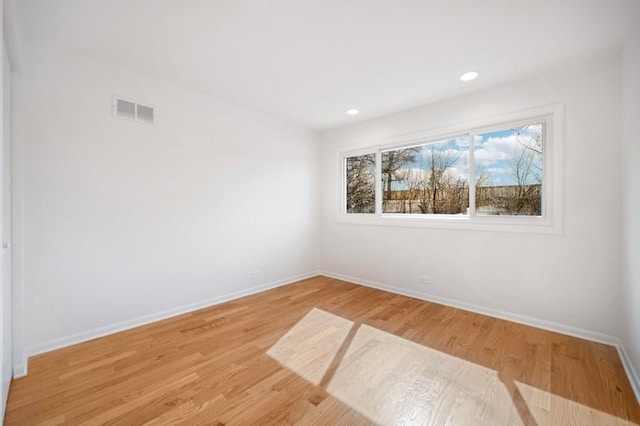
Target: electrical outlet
point(255, 274)
point(426, 280)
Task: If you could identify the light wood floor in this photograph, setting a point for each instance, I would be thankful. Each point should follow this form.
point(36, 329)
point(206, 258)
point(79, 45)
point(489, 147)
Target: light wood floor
point(322, 351)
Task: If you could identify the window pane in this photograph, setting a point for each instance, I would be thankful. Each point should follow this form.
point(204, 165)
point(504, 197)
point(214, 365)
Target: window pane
point(427, 179)
point(361, 184)
point(508, 170)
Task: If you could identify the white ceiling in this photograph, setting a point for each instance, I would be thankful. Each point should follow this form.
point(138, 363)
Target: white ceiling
point(309, 61)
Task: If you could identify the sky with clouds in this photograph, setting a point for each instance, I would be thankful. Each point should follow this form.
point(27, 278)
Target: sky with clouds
point(494, 154)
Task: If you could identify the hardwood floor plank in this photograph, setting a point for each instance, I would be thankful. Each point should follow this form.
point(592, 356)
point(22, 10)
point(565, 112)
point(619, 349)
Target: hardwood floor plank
point(323, 351)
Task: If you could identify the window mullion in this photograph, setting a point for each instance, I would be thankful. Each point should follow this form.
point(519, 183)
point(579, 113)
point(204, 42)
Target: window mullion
point(378, 183)
point(472, 177)
point(546, 168)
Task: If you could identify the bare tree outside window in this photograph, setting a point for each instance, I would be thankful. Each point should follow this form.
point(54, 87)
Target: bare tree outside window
point(429, 179)
point(393, 170)
point(512, 162)
point(361, 183)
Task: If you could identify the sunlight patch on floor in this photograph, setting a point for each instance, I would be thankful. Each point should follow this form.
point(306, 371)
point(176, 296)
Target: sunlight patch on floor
point(311, 345)
point(391, 380)
point(551, 409)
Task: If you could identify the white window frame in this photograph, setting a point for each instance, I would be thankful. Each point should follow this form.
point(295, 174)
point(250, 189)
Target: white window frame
point(552, 182)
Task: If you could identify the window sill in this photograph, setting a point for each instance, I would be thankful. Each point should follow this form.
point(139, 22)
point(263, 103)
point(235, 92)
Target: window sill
point(493, 224)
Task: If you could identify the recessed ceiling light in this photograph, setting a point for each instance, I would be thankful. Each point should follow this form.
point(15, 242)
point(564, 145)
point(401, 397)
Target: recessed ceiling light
point(352, 111)
point(468, 76)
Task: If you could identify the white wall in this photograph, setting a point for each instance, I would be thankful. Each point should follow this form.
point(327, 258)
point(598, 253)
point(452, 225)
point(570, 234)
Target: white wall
point(123, 220)
point(571, 279)
point(5, 234)
point(631, 145)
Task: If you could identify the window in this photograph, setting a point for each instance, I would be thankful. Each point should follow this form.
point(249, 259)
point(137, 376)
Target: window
point(485, 176)
point(432, 178)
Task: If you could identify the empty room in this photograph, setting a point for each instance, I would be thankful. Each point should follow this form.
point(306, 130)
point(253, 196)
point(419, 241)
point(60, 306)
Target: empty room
point(257, 212)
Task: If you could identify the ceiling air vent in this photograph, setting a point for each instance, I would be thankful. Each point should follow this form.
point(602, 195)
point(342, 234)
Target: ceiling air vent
point(131, 110)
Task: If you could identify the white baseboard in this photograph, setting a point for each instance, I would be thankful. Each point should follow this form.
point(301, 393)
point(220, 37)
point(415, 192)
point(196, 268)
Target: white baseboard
point(496, 313)
point(20, 370)
point(50, 345)
point(509, 316)
point(632, 374)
